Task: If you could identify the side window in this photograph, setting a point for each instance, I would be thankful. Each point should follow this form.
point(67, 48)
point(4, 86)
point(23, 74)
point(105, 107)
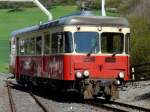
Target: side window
point(39, 45)
point(57, 42)
point(17, 45)
point(31, 48)
point(28, 46)
point(127, 43)
point(68, 42)
point(21, 47)
point(54, 43)
point(60, 43)
point(47, 46)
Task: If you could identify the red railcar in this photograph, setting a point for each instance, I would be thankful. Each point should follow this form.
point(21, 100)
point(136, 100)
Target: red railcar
point(89, 54)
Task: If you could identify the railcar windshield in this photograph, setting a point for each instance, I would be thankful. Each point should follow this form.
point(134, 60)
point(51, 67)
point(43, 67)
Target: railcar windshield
point(112, 42)
point(86, 42)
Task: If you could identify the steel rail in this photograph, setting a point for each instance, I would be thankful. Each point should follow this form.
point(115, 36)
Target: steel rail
point(107, 107)
point(137, 80)
point(116, 106)
point(131, 106)
point(38, 102)
point(11, 101)
point(12, 104)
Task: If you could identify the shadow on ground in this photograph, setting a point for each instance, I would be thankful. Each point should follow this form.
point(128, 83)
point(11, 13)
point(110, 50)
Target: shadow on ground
point(145, 96)
point(59, 96)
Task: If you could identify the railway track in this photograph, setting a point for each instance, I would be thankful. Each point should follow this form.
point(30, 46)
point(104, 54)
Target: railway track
point(12, 103)
point(38, 102)
point(138, 80)
point(137, 83)
point(100, 103)
point(105, 106)
point(130, 107)
point(117, 106)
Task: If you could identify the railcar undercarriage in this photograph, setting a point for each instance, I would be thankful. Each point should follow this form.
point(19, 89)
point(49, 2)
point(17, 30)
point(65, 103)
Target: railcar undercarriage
point(87, 88)
point(91, 89)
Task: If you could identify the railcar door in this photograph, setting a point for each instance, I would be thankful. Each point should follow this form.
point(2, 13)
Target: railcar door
point(14, 62)
point(12, 55)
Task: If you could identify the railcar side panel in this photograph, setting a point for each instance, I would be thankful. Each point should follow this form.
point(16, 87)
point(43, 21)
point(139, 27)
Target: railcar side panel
point(31, 66)
point(65, 67)
point(53, 67)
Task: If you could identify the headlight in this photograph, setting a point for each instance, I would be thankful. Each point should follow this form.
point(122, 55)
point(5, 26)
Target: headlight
point(121, 75)
point(78, 75)
point(117, 82)
point(86, 73)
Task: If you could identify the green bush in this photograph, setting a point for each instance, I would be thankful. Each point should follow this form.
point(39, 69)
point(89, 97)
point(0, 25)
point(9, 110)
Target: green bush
point(140, 47)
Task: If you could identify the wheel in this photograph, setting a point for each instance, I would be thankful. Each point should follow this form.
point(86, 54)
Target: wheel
point(21, 81)
point(107, 97)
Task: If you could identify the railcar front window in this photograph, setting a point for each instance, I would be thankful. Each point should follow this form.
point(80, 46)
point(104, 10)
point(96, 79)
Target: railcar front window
point(86, 42)
point(112, 42)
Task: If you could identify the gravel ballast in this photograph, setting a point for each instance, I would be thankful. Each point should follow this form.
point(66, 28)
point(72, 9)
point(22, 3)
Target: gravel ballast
point(137, 94)
point(4, 101)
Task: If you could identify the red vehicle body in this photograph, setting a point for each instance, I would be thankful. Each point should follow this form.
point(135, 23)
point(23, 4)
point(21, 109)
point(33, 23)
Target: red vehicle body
point(87, 65)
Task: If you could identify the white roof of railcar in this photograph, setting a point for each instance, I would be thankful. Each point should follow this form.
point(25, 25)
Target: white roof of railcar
point(77, 20)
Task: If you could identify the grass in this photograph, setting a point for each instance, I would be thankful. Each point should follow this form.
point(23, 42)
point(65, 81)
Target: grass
point(10, 21)
point(4, 68)
point(13, 20)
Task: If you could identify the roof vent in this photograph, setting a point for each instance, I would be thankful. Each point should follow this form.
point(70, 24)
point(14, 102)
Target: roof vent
point(87, 13)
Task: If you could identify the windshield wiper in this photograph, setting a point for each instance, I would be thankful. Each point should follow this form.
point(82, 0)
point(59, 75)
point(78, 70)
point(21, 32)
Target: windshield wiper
point(93, 48)
point(89, 54)
point(115, 53)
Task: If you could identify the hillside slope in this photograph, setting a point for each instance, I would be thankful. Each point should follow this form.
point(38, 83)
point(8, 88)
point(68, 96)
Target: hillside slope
point(12, 20)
